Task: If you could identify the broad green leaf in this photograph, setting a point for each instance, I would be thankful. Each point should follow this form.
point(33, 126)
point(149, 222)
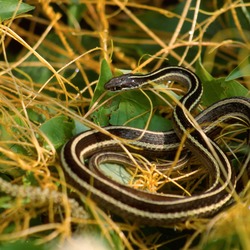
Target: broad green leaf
point(202, 73)
point(79, 127)
point(105, 75)
point(102, 116)
point(10, 7)
point(217, 89)
point(243, 69)
point(36, 74)
point(220, 88)
point(58, 130)
point(35, 116)
point(134, 111)
point(115, 172)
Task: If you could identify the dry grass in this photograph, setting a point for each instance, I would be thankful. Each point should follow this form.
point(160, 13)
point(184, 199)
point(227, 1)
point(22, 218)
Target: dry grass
point(66, 52)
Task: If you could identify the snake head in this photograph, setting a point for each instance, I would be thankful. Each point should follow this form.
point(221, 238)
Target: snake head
point(123, 82)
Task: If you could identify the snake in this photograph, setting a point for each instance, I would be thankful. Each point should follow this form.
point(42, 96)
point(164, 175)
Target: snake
point(158, 208)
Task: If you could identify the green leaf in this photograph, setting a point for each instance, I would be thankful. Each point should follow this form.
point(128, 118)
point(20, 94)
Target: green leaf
point(27, 245)
point(216, 89)
point(220, 88)
point(35, 116)
point(75, 10)
point(202, 73)
point(131, 108)
point(29, 179)
point(134, 107)
point(229, 242)
point(6, 134)
point(105, 75)
point(58, 130)
point(79, 127)
point(102, 116)
point(4, 201)
point(36, 74)
point(116, 172)
point(10, 7)
point(243, 69)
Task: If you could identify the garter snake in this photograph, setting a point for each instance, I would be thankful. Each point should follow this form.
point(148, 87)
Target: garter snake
point(159, 208)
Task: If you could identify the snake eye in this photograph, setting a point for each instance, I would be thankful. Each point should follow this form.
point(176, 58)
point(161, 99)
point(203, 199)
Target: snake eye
point(115, 88)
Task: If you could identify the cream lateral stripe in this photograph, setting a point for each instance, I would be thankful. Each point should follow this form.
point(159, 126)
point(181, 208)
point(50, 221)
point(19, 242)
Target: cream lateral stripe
point(155, 208)
point(149, 217)
point(131, 194)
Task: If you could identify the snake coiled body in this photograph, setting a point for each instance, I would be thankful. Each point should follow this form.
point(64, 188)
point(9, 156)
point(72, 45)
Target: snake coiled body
point(157, 208)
